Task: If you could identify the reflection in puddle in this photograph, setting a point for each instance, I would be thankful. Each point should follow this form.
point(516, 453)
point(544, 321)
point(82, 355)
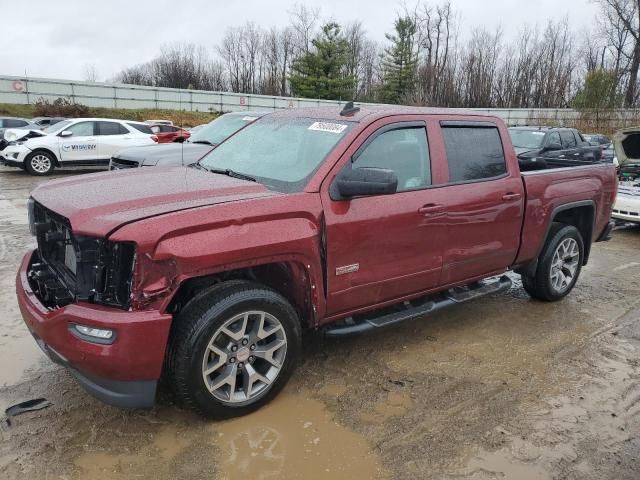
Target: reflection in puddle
point(501, 465)
point(292, 438)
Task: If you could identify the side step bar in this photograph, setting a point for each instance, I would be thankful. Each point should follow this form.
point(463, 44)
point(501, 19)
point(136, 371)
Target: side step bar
point(432, 304)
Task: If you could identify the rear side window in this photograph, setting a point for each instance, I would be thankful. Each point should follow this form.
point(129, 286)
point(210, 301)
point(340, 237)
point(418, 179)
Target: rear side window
point(405, 151)
point(13, 123)
point(568, 139)
point(111, 128)
point(141, 128)
point(473, 153)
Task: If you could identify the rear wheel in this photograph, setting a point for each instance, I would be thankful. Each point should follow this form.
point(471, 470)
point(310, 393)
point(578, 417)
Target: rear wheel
point(233, 349)
point(559, 264)
point(39, 163)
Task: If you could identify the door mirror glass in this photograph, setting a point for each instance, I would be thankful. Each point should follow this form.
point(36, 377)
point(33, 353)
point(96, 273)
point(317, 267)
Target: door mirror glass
point(366, 181)
point(554, 146)
point(66, 133)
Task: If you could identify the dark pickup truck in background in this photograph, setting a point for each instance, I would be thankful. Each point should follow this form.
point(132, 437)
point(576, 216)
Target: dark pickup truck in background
point(345, 221)
point(538, 147)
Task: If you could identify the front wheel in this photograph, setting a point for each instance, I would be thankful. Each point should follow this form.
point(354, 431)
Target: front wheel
point(233, 349)
point(559, 264)
point(39, 163)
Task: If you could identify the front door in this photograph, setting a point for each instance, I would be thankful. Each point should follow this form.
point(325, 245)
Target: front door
point(81, 148)
point(381, 248)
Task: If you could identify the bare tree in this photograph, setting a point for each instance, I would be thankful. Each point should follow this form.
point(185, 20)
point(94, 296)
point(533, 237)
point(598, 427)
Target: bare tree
point(90, 72)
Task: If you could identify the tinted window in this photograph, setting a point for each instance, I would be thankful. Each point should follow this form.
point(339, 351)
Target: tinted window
point(81, 129)
point(568, 140)
point(167, 128)
point(554, 137)
point(141, 128)
point(405, 151)
point(473, 153)
point(13, 123)
point(111, 128)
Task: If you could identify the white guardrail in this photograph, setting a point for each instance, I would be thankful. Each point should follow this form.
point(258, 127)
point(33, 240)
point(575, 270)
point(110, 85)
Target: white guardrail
point(21, 90)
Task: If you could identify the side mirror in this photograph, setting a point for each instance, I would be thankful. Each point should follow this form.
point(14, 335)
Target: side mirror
point(356, 182)
point(554, 146)
point(66, 133)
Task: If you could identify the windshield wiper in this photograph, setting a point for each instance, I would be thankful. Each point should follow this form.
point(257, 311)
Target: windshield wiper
point(230, 173)
point(198, 166)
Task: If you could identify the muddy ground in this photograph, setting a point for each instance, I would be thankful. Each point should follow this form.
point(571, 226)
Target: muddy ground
point(503, 388)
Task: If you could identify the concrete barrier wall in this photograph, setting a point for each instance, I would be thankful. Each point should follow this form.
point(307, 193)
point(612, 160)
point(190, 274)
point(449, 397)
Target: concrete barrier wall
point(20, 90)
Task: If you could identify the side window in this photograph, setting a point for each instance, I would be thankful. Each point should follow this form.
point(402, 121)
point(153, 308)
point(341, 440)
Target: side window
point(568, 139)
point(473, 153)
point(13, 123)
point(82, 129)
point(141, 128)
point(111, 128)
point(554, 137)
point(405, 151)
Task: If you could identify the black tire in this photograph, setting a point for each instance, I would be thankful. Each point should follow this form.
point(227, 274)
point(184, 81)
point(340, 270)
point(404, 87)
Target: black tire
point(35, 164)
point(196, 325)
point(540, 285)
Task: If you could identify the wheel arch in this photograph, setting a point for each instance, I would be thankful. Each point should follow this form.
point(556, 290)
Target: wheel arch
point(581, 215)
point(56, 161)
point(291, 279)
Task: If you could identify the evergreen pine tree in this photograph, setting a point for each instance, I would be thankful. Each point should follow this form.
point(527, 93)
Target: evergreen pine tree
point(400, 61)
point(321, 73)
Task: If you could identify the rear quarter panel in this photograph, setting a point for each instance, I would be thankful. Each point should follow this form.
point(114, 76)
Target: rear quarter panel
point(549, 190)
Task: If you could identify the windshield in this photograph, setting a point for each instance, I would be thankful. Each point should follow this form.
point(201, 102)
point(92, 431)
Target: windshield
point(221, 128)
point(281, 153)
point(530, 139)
point(57, 126)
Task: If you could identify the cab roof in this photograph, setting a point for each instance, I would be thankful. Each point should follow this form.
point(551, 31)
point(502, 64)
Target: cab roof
point(370, 112)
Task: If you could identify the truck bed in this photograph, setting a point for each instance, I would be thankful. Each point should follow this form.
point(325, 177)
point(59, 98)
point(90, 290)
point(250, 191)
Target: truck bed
point(553, 189)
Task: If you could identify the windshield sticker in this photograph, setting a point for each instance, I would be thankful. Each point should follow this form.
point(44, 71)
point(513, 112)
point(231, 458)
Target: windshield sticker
point(249, 119)
point(327, 127)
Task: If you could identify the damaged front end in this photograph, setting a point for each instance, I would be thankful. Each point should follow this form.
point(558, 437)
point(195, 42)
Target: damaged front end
point(16, 136)
point(70, 268)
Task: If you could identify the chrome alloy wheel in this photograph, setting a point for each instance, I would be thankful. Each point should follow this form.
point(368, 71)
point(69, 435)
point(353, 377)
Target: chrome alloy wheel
point(564, 265)
point(244, 357)
point(40, 163)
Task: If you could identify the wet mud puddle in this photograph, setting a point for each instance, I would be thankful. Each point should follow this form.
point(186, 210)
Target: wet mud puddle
point(291, 438)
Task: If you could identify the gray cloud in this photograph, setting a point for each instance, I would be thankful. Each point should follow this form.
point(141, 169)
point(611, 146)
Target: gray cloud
point(57, 39)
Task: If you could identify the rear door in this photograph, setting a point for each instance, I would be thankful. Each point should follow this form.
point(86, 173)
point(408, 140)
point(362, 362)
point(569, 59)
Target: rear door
point(81, 148)
point(381, 248)
point(112, 137)
point(483, 201)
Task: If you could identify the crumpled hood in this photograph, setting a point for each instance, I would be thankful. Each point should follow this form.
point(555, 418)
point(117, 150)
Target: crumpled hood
point(165, 154)
point(97, 204)
point(14, 134)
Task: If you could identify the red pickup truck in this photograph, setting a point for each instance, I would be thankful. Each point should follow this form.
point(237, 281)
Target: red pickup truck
point(342, 221)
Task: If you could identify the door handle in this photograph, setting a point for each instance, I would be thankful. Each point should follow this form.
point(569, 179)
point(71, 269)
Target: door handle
point(511, 196)
point(431, 209)
point(91, 139)
point(562, 156)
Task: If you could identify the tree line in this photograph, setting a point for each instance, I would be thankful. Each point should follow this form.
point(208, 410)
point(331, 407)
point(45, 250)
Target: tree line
point(425, 60)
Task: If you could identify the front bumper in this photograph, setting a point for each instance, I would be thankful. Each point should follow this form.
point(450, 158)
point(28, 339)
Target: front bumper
point(14, 155)
point(627, 208)
point(124, 373)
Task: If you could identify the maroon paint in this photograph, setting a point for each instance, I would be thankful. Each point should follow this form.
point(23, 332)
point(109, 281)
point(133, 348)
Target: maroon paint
point(188, 223)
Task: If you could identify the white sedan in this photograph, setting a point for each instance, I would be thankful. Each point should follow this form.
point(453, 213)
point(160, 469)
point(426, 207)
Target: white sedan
point(79, 143)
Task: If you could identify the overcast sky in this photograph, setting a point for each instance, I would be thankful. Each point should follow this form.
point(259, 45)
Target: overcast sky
point(59, 38)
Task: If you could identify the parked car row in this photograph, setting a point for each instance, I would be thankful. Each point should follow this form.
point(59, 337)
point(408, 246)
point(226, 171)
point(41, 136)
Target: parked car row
point(344, 221)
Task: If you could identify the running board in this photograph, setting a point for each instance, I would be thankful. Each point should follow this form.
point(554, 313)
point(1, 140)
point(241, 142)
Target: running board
point(432, 304)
